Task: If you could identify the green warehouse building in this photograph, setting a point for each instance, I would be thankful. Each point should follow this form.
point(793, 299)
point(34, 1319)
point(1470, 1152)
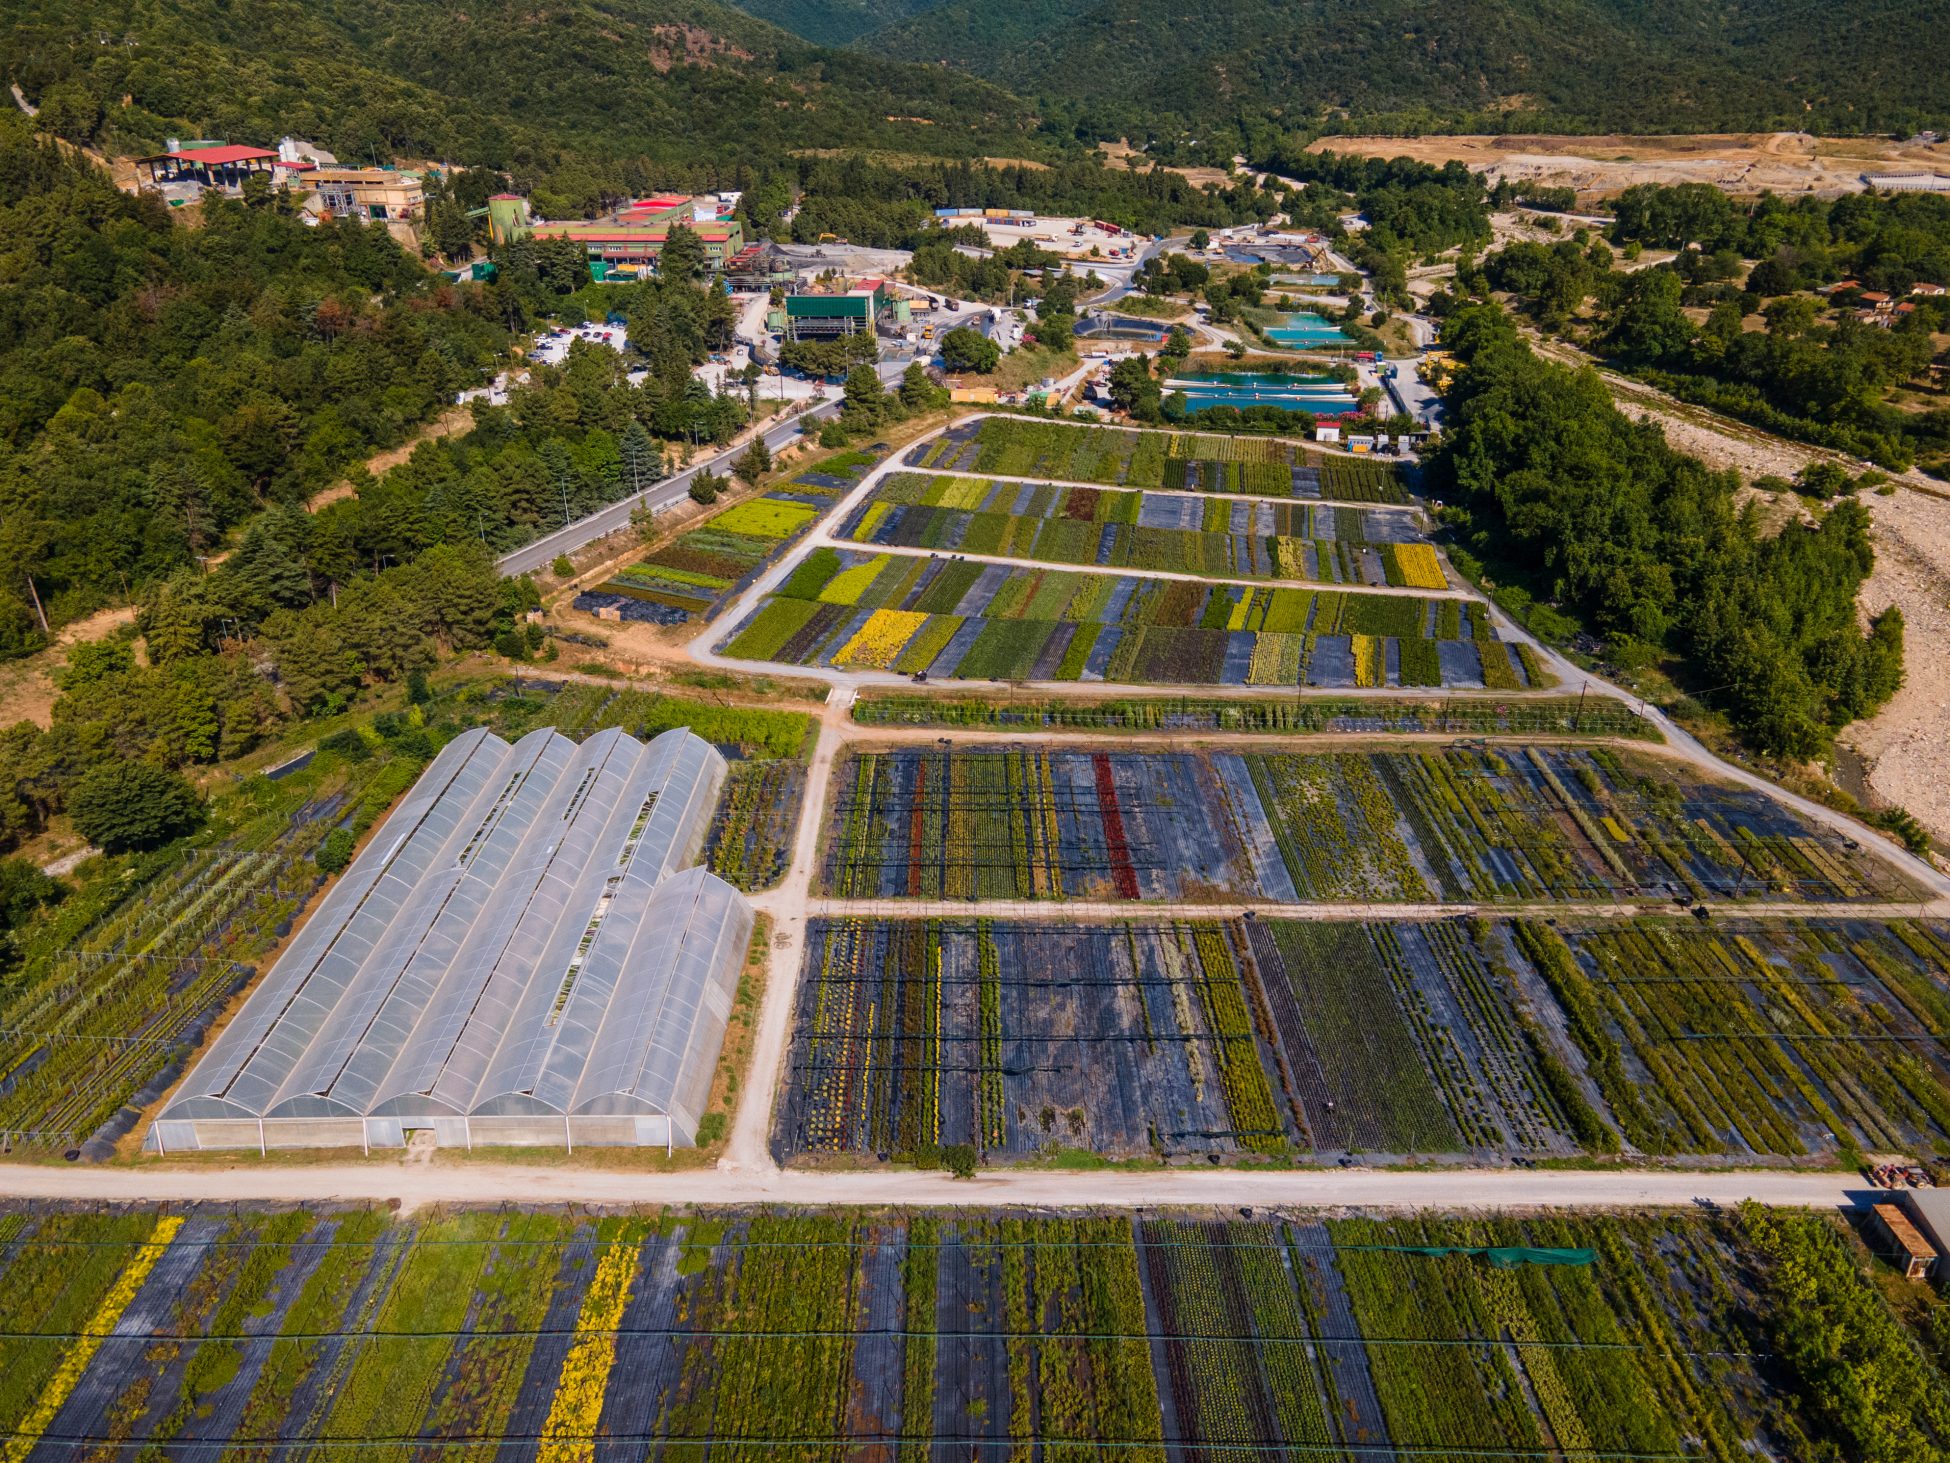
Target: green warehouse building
point(825, 316)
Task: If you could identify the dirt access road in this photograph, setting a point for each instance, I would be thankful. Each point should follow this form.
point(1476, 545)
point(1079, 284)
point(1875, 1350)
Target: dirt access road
point(418, 1185)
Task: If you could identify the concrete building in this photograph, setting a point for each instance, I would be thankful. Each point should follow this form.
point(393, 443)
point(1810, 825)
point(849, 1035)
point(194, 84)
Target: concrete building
point(384, 195)
point(523, 954)
point(631, 239)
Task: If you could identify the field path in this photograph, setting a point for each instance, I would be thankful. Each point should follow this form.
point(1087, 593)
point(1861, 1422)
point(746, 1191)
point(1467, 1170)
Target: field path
point(789, 906)
point(444, 1180)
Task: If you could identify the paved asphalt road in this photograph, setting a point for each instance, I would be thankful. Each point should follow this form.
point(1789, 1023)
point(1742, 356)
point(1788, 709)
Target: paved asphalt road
point(542, 552)
point(608, 520)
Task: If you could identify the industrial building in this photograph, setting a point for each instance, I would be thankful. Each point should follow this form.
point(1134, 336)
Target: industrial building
point(382, 194)
point(823, 315)
point(629, 240)
point(521, 955)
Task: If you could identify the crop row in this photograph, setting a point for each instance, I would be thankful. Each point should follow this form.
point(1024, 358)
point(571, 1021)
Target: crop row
point(1002, 1338)
point(1560, 717)
point(1451, 824)
point(700, 568)
point(952, 618)
point(1070, 452)
point(1085, 526)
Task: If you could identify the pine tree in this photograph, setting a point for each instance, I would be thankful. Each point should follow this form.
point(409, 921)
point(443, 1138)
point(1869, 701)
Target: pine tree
point(642, 460)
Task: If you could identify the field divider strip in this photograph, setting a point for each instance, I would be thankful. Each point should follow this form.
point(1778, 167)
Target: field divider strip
point(1056, 482)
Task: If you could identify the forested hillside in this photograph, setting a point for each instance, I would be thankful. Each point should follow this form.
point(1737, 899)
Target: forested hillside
point(834, 22)
point(639, 92)
point(1564, 495)
point(1497, 65)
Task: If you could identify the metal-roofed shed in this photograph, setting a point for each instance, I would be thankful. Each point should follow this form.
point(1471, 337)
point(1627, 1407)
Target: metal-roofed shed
point(523, 953)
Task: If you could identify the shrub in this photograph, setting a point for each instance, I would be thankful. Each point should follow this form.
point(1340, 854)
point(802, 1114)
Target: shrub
point(563, 567)
point(131, 805)
point(335, 852)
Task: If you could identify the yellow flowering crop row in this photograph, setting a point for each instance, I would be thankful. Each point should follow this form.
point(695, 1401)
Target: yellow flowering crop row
point(877, 642)
point(100, 1325)
point(846, 587)
point(569, 1434)
point(1420, 567)
point(1370, 661)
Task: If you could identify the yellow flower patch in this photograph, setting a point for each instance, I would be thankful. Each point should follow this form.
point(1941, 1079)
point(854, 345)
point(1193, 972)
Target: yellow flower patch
point(569, 1434)
point(1370, 663)
point(875, 644)
point(1420, 567)
point(846, 587)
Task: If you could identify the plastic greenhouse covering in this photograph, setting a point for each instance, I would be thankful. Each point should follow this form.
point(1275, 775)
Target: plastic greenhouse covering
point(524, 937)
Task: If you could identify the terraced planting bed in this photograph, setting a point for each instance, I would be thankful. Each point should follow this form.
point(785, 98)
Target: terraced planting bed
point(1534, 716)
point(1223, 537)
point(990, 1336)
point(1448, 824)
point(1474, 1040)
point(697, 571)
point(1199, 462)
point(907, 613)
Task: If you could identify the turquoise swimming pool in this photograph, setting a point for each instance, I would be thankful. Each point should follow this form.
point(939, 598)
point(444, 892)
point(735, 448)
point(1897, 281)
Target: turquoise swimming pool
point(1306, 330)
point(1321, 395)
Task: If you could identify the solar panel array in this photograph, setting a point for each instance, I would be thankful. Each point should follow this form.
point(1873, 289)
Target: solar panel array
point(522, 938)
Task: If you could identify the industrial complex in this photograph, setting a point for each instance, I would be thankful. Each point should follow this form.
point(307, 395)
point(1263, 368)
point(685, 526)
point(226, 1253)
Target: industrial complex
point(522, 954)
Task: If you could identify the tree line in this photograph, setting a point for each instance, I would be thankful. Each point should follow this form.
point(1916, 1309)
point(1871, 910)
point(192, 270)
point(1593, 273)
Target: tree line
point(1814, 370)
point(1556, 490)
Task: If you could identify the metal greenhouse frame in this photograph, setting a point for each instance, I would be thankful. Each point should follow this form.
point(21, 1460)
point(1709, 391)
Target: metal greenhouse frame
point(523, 953)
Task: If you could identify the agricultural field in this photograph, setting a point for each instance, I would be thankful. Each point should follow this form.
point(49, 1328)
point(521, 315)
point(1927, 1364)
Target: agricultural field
point(906, 613)
point(1117, 457)
point(697, 571)
point(117, 983)
point(1222, 537)
point(1759, 1038)
point(1446, 824)
point(1533, 716)
point(991, 1336)
point(1176, 1041)
point(1467, 1039)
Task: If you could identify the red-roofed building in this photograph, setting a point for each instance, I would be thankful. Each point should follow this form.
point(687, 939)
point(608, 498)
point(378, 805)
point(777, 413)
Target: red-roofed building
point(628, 241)
point(222, 166)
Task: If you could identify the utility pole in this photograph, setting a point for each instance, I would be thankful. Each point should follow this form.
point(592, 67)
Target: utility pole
point(1577, 721)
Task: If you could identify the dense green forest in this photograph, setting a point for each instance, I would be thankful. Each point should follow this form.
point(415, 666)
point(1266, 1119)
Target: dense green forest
point(1134, 67)
point(893, 206)
point(583, 100)
point(1559, 492)
point(834, 22)
point(1812, 369)
point(159, 383)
